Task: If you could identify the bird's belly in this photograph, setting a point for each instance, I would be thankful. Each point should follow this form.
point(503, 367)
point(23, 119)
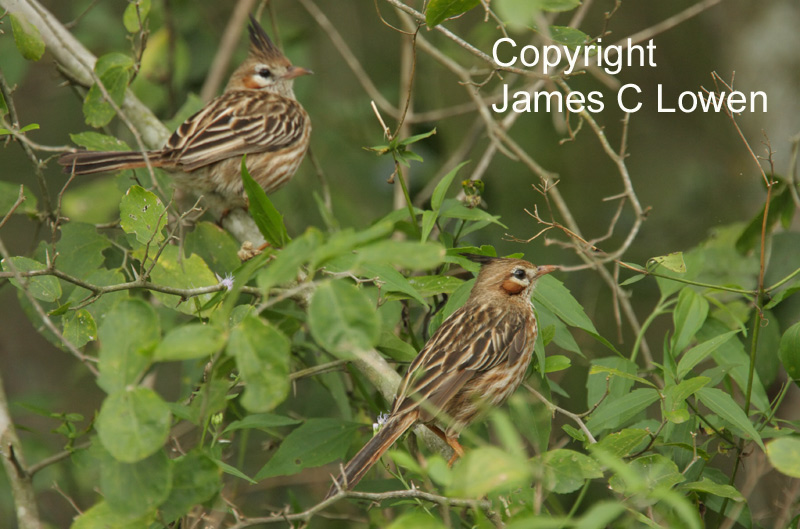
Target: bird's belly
point(485, 391)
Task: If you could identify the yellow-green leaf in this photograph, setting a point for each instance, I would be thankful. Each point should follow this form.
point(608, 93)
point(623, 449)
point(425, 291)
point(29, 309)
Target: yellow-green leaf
point(27, 37)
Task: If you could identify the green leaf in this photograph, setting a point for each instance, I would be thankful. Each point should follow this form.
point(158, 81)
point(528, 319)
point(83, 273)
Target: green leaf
point(517, 14)
point(194, 340)
point(393, 281)
point(403, 254)
point(95, 141)
point(262, 356)
point(8, 196)
point(342, 319)
point(80, 328)
point(726, 408)
point(215, 246)
point(141, 213)
point(315, 443)
point(133, 424)
point(440, 10)
point(599, 516)
point(136, 10)
point(555, 363)
point(439, 192)
point(127, 335)
point(597, 368)
point(614, 413)
point(134, 489)
point(417, 137)
point(647, 473)
point(267, 218)
point(566, 36)
point(114, 71)
point(100, 308)
point(558, 5)
point(27, 37)
point(736, 360)
point(784, 454)
point(674, 406)
point(673, 262)
point(598, 384)
point(562, 336)
point(94, 201)
point(102, 516)
point(29, 127)
point(551, 293)
point(43, 288)
point(775, 301)
point(454, 302)
point(623, 443)
point(80, 249)
point(343, 242)
point(261, 421)
point(680, 392)
point(751, 235)
point(416, 520)
point(195, 479)
point(717, 489)
point(699, 352)
point(428, 286)
point(453, 209)
point(689, 315)
point(188, 272)
point(485, 470)
point(566, 471)
point(3, 108)
point(284, 267)
point(789, 351)
point(396, 348)
point(233, 471)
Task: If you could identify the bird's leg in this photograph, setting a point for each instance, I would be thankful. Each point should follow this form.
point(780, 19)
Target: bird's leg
point(452, 442)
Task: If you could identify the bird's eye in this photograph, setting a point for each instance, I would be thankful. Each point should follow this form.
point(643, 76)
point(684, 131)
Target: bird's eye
point(519, 273)
point(264, 72)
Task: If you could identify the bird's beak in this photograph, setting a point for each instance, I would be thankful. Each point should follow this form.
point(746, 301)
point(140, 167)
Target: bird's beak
point(546, 269)
point(296, 71)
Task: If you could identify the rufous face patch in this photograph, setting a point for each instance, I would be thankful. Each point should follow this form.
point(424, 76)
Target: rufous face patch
point(512, 287)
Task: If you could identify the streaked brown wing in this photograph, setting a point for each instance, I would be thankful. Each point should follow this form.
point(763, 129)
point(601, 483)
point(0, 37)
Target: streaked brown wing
point(233, 124)
point(469, 341)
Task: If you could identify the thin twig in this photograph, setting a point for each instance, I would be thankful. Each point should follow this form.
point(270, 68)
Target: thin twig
point(17, 203)
point(553, 408)
point(305, 516)
point(227, 46)
point(350, 59)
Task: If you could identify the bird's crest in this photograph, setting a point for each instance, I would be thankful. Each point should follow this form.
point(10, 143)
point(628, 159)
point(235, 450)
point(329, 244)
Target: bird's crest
point(261, 44)
point(481, 259)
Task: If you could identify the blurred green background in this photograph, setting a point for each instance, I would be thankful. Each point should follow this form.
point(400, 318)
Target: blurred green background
point(692, 170)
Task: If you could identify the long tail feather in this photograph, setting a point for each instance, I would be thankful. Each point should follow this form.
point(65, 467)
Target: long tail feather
point(355, 469)
point(90, 162)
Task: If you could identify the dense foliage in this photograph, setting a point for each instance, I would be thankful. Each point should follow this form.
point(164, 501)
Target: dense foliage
point(233, 385)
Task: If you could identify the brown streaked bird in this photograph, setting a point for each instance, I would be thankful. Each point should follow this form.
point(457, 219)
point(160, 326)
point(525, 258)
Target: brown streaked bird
point(257, 115)
point(475, 360)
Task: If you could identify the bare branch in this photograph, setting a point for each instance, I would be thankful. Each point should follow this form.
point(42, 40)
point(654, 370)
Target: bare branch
point(305, 516)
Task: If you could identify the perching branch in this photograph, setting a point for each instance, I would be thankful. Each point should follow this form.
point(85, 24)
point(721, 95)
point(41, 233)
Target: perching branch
point(305, 516)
